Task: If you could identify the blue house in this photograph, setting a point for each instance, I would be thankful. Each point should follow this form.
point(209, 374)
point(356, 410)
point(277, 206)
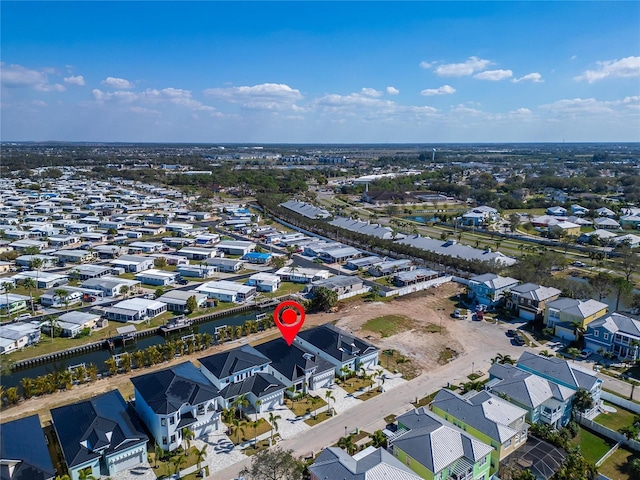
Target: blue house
point(23, 451)
point(489, 288)
point(257, 257)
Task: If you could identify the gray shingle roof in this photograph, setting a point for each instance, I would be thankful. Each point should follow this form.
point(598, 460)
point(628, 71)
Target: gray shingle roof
point(292, 361)
point(225, 364)
point(23, 440)
point(336, 342)
point(558, 370)
point(453, 249)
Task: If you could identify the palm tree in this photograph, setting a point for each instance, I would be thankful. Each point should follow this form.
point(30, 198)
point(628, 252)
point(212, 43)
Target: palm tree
point(200, 455)
point(53, 324)
point(7, 287)
point(273, 421)
point(124, 290)
point(30, 284)
point(257, 405)
point(177, 462)
point(503, 359)
point(545, 353)
point(36, 264)
point(255, 424)
point(314, 401)
point(573, 353)
point(379, 440)
point(62, 295)
point(86, 474)
point(328, 395)
point(157, 453)
point(187, 436)
point(241, 401)
point(347, 444)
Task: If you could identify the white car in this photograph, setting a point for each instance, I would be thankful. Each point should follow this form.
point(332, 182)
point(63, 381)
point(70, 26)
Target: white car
point(23, 316)
point(586, 353)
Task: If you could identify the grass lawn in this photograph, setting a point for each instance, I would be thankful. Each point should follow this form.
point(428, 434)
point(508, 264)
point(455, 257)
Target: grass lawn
point(394, 361)
point(304, 405)
point(592, 446)
point(388, 325)
point(166, 467)
point(446, 355)
point(614, 421)
point(369, 394)
point(321, 417)
point(252, 450)
point(390, 418)
point(354, 384)
point(238, 436)
point(424, 401)
point(286, 288)
point(614, 466)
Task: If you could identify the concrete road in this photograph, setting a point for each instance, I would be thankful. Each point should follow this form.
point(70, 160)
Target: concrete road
point(482, 341)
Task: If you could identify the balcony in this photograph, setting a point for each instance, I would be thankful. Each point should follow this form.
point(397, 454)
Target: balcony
point(550, 416)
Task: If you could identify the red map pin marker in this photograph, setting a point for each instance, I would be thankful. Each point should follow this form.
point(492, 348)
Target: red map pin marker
point(289, 317)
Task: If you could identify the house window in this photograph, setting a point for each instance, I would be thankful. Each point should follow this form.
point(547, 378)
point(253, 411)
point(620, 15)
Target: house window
point(163, 422)
point(596, 333)
point(482, 461)
point(408, 460)
point(172, 420)
point(164, 440)
point(173, 439)
point(606, 336)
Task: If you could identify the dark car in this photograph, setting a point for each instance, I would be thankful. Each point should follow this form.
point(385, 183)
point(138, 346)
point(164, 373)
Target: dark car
point(511, 333)
point(182, 281)
point(518, 340)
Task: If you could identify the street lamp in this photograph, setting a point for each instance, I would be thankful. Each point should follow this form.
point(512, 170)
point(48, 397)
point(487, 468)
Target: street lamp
point(345, 430)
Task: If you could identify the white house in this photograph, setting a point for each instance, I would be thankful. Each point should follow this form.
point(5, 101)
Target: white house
point(135, 309)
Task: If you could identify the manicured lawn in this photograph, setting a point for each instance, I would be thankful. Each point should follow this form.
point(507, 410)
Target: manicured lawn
point(166, 467)
point(354, 384)
point(620, 419)
point(369, 394)
point(238, 436)
point(388, 325)
point(252, 450)
point(286, 288)
point(321, 417)
point(614, 466)
point(424, 401)
point(304, 405)
point(592, 446)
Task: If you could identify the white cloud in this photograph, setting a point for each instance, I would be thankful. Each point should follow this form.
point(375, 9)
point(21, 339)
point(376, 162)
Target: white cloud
point(115, 82)
point(137, 109)
point(17, 76)
point(573, 57)
point(371, 92)
point(151, 96)
point(114, 97)
point(426, 65)
point(494, 75)
point(533, 77)
point(392, 90)
point(582, 106)
point(74, 80)
point(472, 65)
point(443, 90)
point(625, 68)
point(351, 100)
point(268, 96)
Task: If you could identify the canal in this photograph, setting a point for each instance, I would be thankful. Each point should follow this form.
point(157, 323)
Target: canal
point(98, 357)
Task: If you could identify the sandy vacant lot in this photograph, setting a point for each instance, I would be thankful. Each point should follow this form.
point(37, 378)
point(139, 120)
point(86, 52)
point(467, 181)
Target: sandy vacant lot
point(433, 307)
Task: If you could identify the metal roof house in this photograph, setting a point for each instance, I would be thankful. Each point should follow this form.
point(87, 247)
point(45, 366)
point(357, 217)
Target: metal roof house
point(23, 451)
point(180, 396)
point(135, 309)
point(564, 313)
point(530, 299)
point(369, 464)
point(453, 249)
point(614, 333)
point(435, 448)
point(489, 288)
point(101, 434)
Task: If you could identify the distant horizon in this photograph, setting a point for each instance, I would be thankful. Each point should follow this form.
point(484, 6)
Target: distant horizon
point(314, 72)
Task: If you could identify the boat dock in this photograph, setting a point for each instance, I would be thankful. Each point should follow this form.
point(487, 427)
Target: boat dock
point(175, 325)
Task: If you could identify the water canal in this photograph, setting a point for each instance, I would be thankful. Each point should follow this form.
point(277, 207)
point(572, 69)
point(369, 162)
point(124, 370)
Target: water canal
point(98, 357)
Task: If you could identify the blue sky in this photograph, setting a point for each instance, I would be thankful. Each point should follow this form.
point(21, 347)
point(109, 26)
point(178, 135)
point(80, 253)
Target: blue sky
point(320, 72)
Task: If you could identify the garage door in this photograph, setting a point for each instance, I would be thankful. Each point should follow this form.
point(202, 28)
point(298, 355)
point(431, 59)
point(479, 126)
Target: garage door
point(126, 463)
point(526, 315)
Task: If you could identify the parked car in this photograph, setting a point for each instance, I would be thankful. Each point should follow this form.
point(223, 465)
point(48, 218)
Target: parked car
point(456, 313)
point(579, 264)
point(182, 281)
point(23, 316)
point(518, 340)
point(586, 353)
point(511, 333)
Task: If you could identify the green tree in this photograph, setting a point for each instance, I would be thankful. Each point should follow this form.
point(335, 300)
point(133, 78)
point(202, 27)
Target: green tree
point(200, 456)
point(7, 287)
point(30, 284)
point(159, 292)
point(177, 462)
point(573, 353)
point(582, 401)
point(160, 262)
point(273, 421)
point(347, 443)
point(63, 296)
point(324, 299)
point(621, 287)
point(124, 291)
point(86, 474)
point(240, 402)
point(12, 395)
point(274, 464)
point(602, 284)
point(378, 439)
point(192, 304)
point(187, 436)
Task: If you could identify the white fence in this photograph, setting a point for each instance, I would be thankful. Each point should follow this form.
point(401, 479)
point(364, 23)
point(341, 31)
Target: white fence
point(416, 287)
point(354, 293)
point(621, 402)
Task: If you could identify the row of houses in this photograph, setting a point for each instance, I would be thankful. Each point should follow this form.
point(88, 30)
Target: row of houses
point(105, 435)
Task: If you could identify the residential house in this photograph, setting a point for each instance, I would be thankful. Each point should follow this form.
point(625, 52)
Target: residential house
point(565, 229)
point(236, 247)
point(108, 285)
point(488, 418)
point(226, 265)
point(12, 303)
point(171, 399)
point(606, 223)
point(133, 263)
point(530, 299)
point(579, 210)
point(364, 263)
point(480, 216)
point(197, 253)
point(72, 323)
point(343, 350)
point(259, 258)
point(197, 271)
point(43, 280)
point(135, 309)
point(227, 291)
point(615, 333)
point(437, 450)
point(244, 371)
point(85, 272)
point(565, 315)
point(176, 300)
point(101, 435)
point(632, 221)
point(339, 255)
point(24, 454)
point(295, 366)
point(17, 335)
point(605, 212)
point(366, 228)
point(48, 261)
point(297, 274)
point(341, 284)
point(368, 464)
point(74, 256)
point(556, 211)
point(489, 288)
point(390, 267)
point(156, 278)
point(563, 373)
point(145, 247)
point(264, 282)
point(59, 241)
point(544, 400)
point(414, 277)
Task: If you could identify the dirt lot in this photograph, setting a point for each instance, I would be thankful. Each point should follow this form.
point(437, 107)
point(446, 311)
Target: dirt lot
point(432, 307)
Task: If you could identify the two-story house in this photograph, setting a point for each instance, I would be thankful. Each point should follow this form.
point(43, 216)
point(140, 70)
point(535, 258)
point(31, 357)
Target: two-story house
point(343, 350)
point(490, 419)
point(544, 400)
point(294, 366)
point(563, 373)
point(23, 451)
point(173, 398)
point(489, 288)
point(615, 333)
point(530, 299)
point(101, 435)
point(244, 371)
point(565, 314)
point(438, 450)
